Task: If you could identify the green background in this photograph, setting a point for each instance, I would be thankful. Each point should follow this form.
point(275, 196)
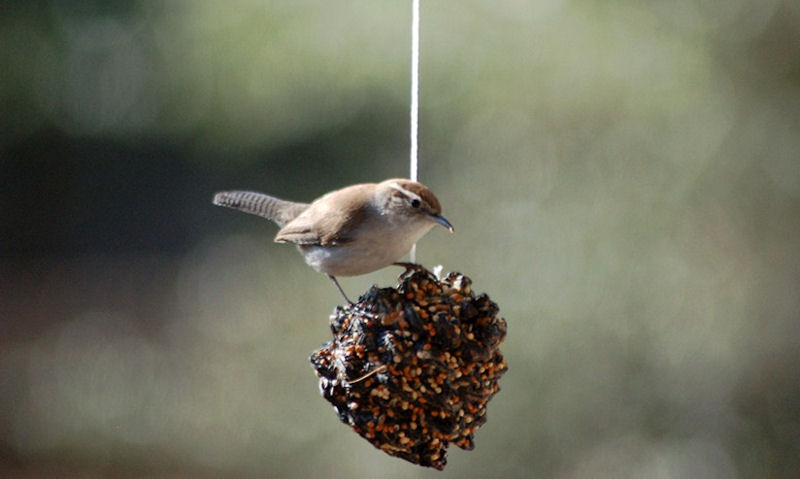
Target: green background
point(623, 179)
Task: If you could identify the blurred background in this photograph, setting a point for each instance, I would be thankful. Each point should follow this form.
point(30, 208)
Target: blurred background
point(622, 176)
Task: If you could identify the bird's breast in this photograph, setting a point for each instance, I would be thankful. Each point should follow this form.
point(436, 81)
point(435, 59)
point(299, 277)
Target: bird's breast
point(368, 252)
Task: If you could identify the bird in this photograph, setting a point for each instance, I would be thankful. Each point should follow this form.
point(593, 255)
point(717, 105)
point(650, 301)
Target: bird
point(351, 231)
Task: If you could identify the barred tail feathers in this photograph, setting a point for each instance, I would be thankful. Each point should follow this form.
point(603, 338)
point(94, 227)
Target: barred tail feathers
point(274, 209)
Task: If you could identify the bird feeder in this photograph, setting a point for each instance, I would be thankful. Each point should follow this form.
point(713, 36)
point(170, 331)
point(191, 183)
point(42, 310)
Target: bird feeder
point(412, 368)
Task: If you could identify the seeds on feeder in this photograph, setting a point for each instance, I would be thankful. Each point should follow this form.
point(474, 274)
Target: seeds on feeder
point(412, 368)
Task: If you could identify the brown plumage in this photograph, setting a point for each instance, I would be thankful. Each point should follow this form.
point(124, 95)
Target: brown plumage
point(276, 210)
point(328, 226)
point(351, 231)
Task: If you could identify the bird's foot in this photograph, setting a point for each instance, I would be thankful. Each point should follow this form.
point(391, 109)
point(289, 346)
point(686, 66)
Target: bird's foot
point(410, 266)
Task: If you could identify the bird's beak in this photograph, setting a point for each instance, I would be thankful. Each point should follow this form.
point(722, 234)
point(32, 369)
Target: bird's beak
point(442, 221)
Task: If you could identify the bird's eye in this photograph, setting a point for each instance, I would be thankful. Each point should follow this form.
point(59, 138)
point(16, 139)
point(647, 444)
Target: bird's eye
point(415, 203)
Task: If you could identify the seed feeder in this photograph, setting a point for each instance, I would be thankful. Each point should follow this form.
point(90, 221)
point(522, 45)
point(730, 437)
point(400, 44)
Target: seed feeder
point(412, 368)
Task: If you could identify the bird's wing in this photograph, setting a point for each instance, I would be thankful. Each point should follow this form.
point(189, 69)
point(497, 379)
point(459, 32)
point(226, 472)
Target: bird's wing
point(269, 207)
point(329, 221)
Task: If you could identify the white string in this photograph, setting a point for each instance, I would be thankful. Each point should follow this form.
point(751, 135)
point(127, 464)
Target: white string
point(414, 100)
point(414, 87)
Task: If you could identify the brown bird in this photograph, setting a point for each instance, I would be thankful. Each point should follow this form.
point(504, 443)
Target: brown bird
point(351, 231)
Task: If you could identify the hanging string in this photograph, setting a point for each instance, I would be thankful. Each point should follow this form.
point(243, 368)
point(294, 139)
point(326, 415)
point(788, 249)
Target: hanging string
point(414, 100)
point(414, 87)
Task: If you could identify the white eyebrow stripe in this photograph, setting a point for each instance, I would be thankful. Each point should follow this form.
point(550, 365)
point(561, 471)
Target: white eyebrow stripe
point(409, 194)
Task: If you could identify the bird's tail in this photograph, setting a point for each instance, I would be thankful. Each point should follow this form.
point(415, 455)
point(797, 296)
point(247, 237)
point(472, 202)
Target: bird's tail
point(269, 207)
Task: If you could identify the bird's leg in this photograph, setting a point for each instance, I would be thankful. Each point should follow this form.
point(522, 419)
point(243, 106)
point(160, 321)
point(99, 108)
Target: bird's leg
point(333, 278)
